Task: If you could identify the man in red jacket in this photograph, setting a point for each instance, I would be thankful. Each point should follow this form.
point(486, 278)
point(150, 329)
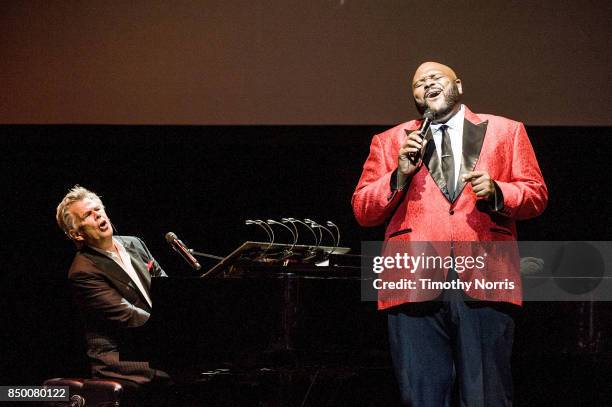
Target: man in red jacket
point(467, 179)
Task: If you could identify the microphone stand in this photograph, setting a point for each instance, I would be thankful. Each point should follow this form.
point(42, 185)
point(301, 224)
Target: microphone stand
point(200, 254)
point(267, 228)
point(295, 229)
point(294, 220)
point(288, 252)
point(311, 225)
point(332, 224)
point(316, 225)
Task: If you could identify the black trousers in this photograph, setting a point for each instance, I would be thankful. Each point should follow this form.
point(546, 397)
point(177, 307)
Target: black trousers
point(452, 344)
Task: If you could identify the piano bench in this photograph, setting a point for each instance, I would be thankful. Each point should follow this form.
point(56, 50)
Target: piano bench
point(87, 392)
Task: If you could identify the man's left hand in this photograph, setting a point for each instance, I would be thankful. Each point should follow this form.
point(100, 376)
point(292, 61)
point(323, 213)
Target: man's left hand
point(482, 184)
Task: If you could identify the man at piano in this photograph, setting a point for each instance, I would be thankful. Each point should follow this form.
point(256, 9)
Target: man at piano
point(111, 279)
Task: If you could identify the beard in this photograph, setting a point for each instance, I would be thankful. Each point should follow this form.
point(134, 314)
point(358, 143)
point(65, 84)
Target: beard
point(451, 98)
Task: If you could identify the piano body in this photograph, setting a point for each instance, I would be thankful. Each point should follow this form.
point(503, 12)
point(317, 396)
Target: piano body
point(268, 314)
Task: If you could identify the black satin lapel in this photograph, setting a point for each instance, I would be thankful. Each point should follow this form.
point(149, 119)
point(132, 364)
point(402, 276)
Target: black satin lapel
point(473, 137)
point(108, 265)
point(432, 162)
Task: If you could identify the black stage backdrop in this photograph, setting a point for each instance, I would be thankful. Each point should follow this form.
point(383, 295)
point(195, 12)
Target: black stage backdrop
point(202, 182)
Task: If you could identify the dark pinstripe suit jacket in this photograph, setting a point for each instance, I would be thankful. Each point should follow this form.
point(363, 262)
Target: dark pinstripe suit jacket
point(110, 302)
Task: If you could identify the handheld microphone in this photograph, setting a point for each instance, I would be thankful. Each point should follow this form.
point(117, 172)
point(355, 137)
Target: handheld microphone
point(428, 118)
point(181, 249)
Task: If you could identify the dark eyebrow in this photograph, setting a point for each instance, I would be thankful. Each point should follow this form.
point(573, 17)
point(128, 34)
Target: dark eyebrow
point(432, 75)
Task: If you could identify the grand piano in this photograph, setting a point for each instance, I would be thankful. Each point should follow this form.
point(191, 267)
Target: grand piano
point(281, 325)
point(286, 322)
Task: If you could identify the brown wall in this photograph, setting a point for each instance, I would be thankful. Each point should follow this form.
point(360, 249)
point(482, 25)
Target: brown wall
point(298, 62)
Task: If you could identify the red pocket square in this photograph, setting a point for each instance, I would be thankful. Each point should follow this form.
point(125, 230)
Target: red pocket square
point(149, 265)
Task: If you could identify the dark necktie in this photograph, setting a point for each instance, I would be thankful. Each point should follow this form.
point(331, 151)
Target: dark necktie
point(448, 161)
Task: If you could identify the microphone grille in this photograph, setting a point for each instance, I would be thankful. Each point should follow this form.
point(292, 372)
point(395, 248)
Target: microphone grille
point(429, 115)
point(170, 237)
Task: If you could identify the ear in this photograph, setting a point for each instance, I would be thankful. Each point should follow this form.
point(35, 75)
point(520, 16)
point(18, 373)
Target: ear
point(76, 235)
point(459, 86)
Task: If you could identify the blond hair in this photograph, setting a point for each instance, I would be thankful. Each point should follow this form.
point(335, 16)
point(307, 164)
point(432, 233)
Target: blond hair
point(65, 220)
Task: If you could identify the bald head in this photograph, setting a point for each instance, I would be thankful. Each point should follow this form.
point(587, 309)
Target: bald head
point(433, 66)
point(435, 86)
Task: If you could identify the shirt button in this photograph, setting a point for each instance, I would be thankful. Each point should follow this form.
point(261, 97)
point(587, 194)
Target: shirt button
point(452, 212)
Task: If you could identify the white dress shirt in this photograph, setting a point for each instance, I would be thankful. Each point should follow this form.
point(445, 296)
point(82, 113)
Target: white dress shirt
point(125, 262)
point(455, 131)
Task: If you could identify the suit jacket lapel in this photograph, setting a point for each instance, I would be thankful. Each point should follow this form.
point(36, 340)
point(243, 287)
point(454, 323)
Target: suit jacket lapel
point(115, 272)
point(139, 267)
point(473, 137)
point(106, 264)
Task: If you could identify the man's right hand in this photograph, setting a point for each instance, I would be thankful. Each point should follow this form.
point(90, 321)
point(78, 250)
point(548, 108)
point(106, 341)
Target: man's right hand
point(410, 156)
